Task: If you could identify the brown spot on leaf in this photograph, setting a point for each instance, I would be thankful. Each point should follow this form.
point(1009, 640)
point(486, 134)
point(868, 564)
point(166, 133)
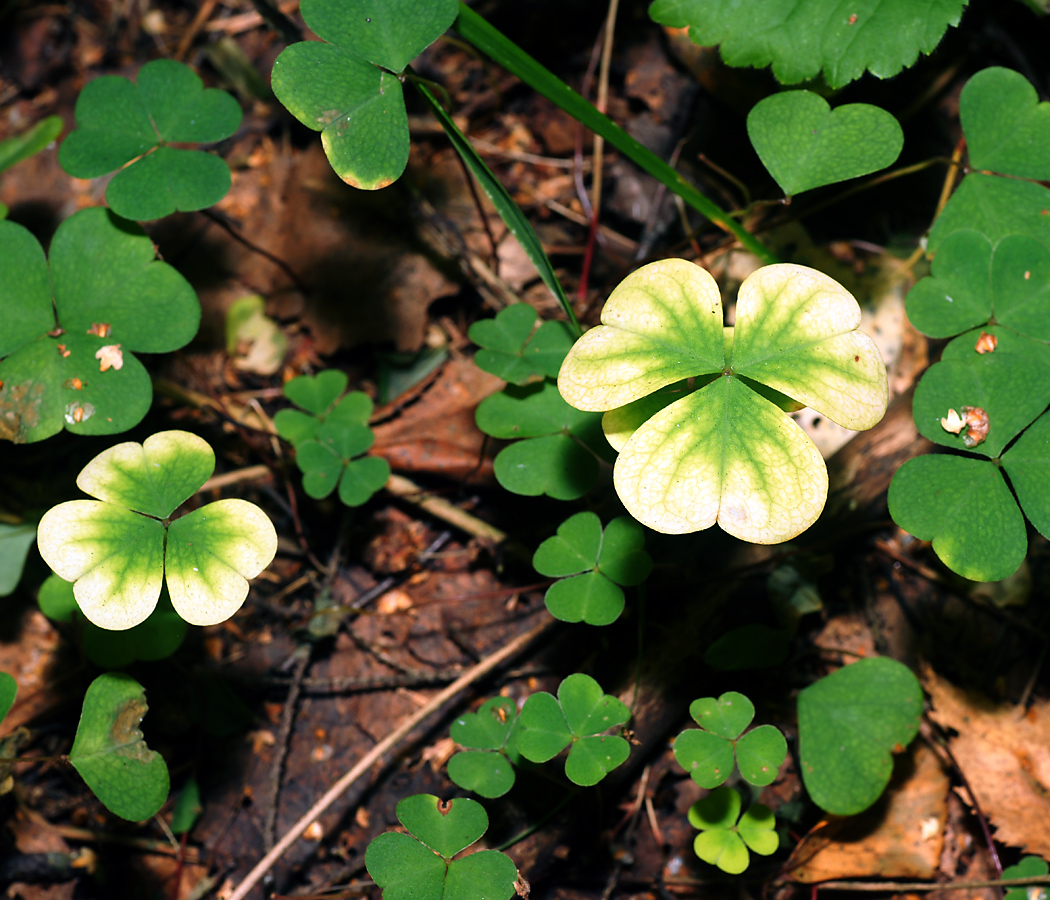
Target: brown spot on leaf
point(100, 329)
point(976, 420)
point(20, 409)
point(986, 343)
point(445, 807)
point(125, 734)
point(55, 332)
point(853, 19)
point(109, 357)
point(63, 352)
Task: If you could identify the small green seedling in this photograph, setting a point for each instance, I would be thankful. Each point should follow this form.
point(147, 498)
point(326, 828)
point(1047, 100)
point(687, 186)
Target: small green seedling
point(420, 865)
point(119, 549)
point(591, 564)
point(65, 349)
point(515, 350)
point(578, 716)
point(490, 737)
point(15, 544)
point(562, 446)
point(349, 88)
point(725, 835)
point(986, 398)
point(158, 637)
point(728, 452)
point(849, 725)
point(1028, 867)
point(805, 144)
point(329, 435)
point(131, 127)
point(814, 37)
point(110, 753)
point(31, 141)
point(708, 753)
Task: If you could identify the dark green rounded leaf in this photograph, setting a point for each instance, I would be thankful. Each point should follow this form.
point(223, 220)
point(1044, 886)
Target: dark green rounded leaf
point(404, 869)
point(8, 692)
point(362, 478)
point(390, 34)
point(485, 772)
point(1028, 867)
point(590, 598)
point(168, 180)
point(25, 290)
point(805, 144)
point(707, 757)
point(444, 827)
point(359, 110)
point(113, 127)
point(182, 109)
point(316, 393)
point(544, 732)
point(353, 409)
point(727, 716)
point(321, 468)
point(760, 754)
point(1027, 464)
point(555, 465)
point(489, 727)
point(963, 505)
point(574, 549)
point(15, 543)
point(623, 558)
point(587, 709)
point(996, 207)
point(485, 875)
point(957, 295)
point(110, 753)
point(296, 427)
point(592, 758)
point(1007, 128)
point(719, 809)
point(849, 723)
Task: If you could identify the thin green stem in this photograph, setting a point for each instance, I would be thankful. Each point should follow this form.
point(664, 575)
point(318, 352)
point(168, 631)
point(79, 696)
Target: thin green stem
point(491, 42)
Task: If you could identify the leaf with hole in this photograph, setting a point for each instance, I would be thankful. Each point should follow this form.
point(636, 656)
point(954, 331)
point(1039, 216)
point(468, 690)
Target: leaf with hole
point(130, 127)
point(419, 865)
point(577, 717)
point(802, 39)
point(726, 453)
point(120, 548)
point(110, 753)
point(103, 289)
point(805, 144)
point(849, 724)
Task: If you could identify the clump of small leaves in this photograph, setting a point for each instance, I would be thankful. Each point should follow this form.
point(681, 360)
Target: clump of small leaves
point(119, 549)
point(515, 350)
point(72, 327)
point(987, 396)
point(348, 85)
point(130, 126)
point(420, 864)
point(849, 725)
point(577, 718)
point(723, 449)
point(806, 144)
point(329, 435)
point(708, 753)
point(110, 752)
point(591, 563)
point(725, 835)
point(560, 447)
point(489, 735)
point(814, 37)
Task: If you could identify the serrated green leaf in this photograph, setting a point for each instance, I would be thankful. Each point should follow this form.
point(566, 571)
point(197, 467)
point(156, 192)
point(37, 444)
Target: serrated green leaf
point(963, 505)
point(446, 827)
point(15, 544)
point(802, 39)
point(727, 716)
point(706, 757)
point(359, 110)
point(31, 141)
point(1027, 463)
point(849, 723)
point(485, 772)
point(109, 751)
point(760, 754)
point(805, 144)
point(1007, 128)
point(590, 598)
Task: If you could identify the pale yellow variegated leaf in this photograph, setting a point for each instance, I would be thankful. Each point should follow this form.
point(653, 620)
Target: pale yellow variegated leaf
point(663, 323)
point(723, 454)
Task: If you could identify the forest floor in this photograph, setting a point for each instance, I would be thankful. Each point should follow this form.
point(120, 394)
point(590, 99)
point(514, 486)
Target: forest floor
point(366, 614)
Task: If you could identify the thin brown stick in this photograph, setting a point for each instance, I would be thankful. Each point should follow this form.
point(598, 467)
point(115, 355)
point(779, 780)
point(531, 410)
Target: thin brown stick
point(895, 886)
point(442, 509)
point(381, 749)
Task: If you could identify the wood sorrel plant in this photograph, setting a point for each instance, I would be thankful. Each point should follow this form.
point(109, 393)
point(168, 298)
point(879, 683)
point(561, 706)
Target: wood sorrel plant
point(697, 409)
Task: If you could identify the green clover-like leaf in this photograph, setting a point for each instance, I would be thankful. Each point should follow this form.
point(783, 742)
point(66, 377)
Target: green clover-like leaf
point(725, 453)
point(316, 393)
point(806, 38)
point(849, 723)
point(724, 832)
point(120, 122)
point(419, 865)
point(1007, 128)
point(996, 207)
point(727, 716)
point(559, 456)
point(490, 734)
point(8, 692)
point(119, 549)
point(485, 772)
point(1027, 463)
point(1028, 867)
point(511, 350)
point(805, 144)
point(110, 753)
point(64, 349)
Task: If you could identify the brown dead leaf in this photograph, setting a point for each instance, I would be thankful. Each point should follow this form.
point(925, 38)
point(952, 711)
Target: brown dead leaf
point(900, 837)
point(1005, 756)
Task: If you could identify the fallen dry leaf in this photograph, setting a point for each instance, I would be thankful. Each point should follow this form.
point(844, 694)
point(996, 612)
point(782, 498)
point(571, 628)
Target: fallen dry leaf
point(1005, 756)
point(900, 837)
